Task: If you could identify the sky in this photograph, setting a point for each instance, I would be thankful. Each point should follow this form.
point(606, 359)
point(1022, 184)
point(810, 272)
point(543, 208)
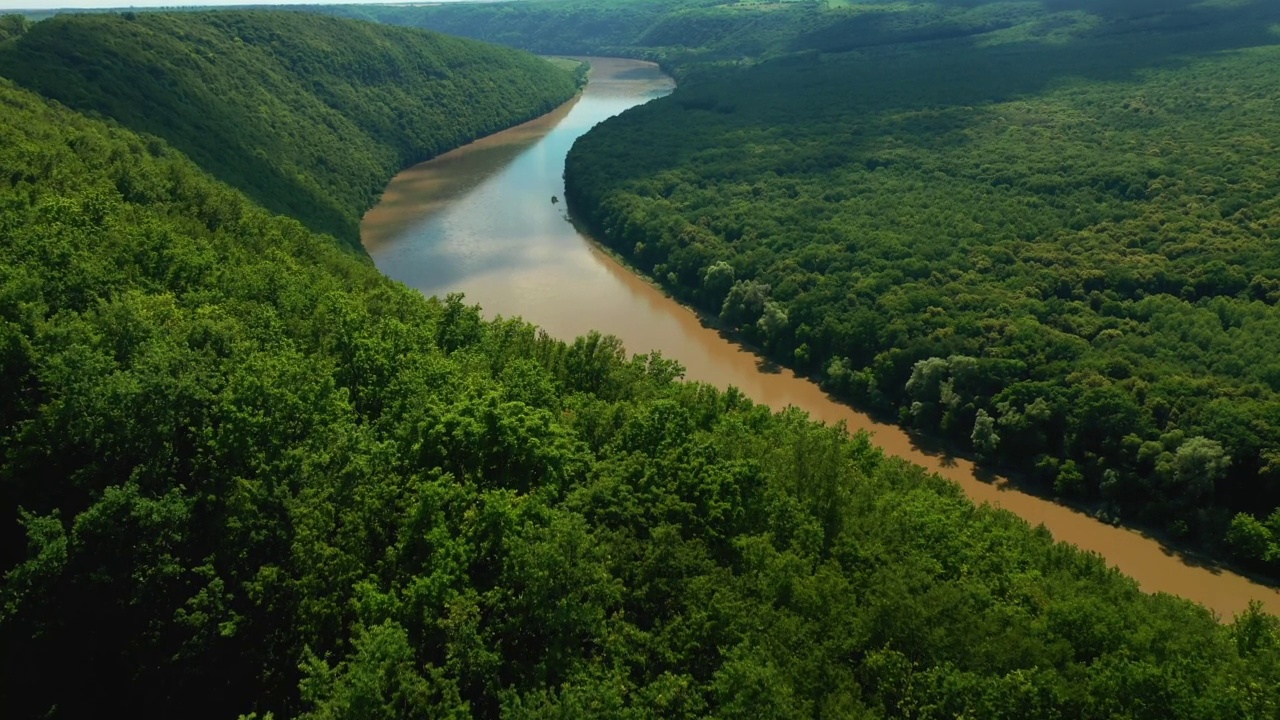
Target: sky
point(52, 4)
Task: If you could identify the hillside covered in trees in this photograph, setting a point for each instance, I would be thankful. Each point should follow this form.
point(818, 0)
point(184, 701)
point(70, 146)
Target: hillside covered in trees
point(1043, 231)
point(308, 115)
point(243, 473)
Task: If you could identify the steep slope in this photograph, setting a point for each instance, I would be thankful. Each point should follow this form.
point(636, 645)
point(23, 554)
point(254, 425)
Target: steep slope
point(569, 26)
point(309, 115)
point(254, 476)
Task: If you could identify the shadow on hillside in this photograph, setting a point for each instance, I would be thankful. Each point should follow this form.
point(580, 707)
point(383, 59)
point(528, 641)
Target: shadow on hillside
point(903, 74)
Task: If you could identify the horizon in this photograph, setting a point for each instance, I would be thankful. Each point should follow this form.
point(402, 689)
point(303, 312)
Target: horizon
point(9, 6)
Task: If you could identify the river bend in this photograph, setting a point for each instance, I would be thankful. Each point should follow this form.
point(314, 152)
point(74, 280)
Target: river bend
point(481, 220)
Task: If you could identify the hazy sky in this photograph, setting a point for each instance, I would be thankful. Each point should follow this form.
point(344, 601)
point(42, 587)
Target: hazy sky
point(47, 4)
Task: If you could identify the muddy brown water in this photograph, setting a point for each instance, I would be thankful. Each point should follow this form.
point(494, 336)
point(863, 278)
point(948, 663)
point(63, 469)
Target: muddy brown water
point(480, 220)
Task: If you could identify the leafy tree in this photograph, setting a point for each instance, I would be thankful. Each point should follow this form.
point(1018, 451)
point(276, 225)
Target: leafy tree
point(1194, 469)
point(717, 281)
point(745, 304)
point(381, 681)
point(12, 26)
point(1249, 539)
point(984, 437)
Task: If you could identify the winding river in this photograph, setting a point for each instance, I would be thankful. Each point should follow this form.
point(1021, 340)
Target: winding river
point(481, 220)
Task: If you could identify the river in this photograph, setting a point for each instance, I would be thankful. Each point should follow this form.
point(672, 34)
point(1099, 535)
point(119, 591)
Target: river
point(481, 220)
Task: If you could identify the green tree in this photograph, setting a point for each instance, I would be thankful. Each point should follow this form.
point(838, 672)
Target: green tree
point(1197, 465)
point(1249, 539)
point(381, 680)
point(745, 304)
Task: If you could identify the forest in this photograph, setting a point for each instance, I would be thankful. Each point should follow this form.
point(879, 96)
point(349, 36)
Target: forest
point(250, 476)
point(308, 115)
point(1044, 233)
point(242, 474)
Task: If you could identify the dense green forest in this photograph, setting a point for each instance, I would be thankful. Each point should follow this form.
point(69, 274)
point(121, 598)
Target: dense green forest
point(309, 115)
point(243, 474)
point(1045, 231)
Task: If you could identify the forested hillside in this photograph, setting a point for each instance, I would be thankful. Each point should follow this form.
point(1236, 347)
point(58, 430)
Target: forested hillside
point(242, 473)
point(309, 115)
point(589, 27)
point(1043, 231)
